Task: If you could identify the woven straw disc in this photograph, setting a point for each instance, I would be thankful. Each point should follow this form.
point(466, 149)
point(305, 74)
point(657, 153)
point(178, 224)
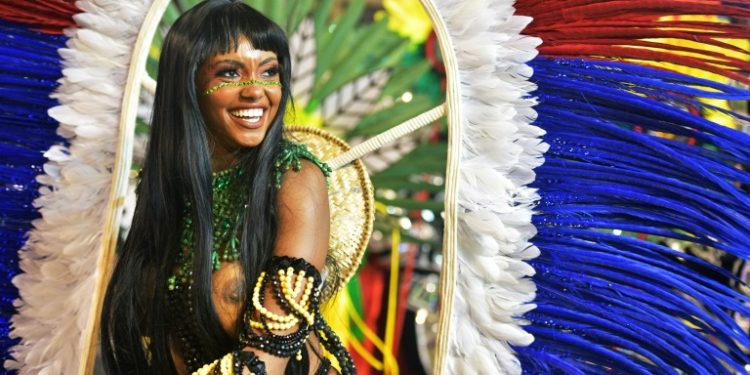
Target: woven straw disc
point(350, 198)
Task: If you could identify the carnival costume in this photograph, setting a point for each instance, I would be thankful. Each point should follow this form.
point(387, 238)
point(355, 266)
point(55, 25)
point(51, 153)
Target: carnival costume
point(631, 154)
point(295, 284)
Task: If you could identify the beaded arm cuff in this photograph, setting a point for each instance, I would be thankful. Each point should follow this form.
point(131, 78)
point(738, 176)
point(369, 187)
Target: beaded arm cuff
point(300, 301)
point(295, 285)
point(298, 298)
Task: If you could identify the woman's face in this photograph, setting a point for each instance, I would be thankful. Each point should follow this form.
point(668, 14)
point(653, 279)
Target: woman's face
point(239, 95)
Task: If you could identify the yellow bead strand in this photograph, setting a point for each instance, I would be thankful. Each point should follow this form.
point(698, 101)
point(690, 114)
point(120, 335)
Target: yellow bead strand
point(226, 364)
point(206, 369)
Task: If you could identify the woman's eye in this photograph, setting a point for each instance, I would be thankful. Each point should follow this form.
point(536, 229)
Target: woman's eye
point(228, 73)
point(271, 72)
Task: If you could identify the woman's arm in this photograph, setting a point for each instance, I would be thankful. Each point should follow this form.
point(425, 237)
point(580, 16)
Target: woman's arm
point(283, 307)
point(303, 232)
point(304, 219)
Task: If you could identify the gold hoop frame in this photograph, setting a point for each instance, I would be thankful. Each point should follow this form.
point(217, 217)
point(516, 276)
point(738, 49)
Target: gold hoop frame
point(124, 155)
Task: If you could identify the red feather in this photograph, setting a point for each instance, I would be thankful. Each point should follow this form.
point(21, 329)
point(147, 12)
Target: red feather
point(47, 16)
point(626, 29)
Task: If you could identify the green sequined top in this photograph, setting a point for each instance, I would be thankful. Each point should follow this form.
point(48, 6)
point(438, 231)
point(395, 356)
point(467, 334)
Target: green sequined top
point(229, 197)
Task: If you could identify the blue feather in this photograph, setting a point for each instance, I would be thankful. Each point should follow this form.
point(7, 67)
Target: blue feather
point(611, 303)
point(29, 68)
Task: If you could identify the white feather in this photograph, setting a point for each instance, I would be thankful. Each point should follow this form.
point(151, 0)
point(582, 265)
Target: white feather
point(499, 150)
point(60, 257)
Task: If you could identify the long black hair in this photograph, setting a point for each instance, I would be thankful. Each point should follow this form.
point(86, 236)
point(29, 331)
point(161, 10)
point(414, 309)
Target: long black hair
point(177, 170)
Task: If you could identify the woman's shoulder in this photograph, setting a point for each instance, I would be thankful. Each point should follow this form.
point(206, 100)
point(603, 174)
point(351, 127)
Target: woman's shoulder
point(298, 158)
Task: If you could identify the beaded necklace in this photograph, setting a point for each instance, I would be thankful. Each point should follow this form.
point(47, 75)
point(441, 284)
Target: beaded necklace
point(229, 197)
point(228, 204)
point(228, 200)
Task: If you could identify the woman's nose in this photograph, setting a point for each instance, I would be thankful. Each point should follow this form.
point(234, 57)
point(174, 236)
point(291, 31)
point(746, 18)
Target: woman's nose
point(252, 91)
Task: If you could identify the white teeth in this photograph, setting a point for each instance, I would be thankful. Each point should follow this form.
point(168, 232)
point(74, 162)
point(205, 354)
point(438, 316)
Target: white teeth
point(253, 113)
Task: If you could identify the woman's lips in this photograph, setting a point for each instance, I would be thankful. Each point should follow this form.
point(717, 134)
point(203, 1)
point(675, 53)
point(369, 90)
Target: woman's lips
point(249, 117)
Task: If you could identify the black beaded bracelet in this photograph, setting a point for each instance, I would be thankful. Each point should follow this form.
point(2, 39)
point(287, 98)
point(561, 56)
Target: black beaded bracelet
point(257, 332)
point(250, 361)
point(281, 345)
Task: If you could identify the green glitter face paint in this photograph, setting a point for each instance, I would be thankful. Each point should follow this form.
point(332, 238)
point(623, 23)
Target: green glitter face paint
point(240, 84)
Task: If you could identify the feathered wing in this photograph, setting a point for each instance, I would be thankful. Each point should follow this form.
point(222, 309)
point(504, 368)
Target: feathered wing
point(29, 70)
point(635, 172)
point(59, 260)
point(610, 298)
point(500, 148)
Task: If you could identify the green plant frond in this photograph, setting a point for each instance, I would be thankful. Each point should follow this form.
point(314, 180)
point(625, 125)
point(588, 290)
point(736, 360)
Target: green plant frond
point(332, 41)
point(277, 11)
point(184, 5)
point(429, 150)
point(351, 50)
point(385, 119)
point(170, 14)
point(301, 9)
point(402, 79)
point(393, 53)
point(413, 204)
point(351, 60)
point(400, 176)
point(424, 165)
point(425, 159)
point(397, 182)
point(152, 63)
point(285, 13)
point(322, 20)
point(142, 127)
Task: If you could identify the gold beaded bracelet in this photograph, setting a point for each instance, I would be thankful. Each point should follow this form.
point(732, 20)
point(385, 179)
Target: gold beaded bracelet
point(290, 294)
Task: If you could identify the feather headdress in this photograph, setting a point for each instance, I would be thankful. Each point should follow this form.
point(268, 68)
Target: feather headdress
point(636, 171)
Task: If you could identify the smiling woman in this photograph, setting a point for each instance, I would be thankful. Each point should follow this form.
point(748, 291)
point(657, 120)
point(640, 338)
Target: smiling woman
point(240, 98)
point(185, 219)
point(614, 293)
point(230, 230)
point(241, 88)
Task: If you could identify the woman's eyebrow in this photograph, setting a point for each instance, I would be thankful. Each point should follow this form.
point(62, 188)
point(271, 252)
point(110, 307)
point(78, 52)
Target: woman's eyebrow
point(240, 64)
point(234, 63)
point(267, 60)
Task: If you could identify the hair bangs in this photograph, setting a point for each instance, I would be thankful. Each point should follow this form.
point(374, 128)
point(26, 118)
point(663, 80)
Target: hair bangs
point(228, 25)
